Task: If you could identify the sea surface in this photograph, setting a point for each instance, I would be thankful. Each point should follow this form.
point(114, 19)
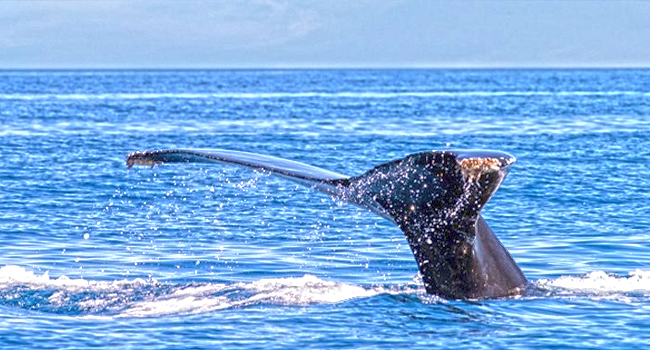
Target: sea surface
point(95, 255)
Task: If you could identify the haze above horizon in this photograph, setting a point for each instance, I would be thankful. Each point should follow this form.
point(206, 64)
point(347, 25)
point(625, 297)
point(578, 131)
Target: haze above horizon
point(323, 34)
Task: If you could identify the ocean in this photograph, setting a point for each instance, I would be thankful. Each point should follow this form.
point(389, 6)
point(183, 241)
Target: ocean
point(95, 255)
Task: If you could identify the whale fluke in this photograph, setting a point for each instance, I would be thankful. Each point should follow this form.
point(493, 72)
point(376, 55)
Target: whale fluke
point(434, 197)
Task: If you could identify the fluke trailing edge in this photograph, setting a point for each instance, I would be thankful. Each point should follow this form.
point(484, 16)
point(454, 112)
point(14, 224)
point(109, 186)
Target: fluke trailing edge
point(435, 198)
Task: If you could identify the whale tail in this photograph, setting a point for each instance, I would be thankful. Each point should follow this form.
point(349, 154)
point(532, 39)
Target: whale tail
point(434, 197)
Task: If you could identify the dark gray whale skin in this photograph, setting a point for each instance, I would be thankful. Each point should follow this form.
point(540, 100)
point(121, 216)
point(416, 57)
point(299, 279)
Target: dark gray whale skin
point(434, 197)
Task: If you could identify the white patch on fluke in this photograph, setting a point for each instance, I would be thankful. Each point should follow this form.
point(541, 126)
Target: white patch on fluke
point(473, 168)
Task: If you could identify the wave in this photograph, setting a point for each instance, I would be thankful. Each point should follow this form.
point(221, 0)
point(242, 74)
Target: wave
point(149, 298)
point(326, 95)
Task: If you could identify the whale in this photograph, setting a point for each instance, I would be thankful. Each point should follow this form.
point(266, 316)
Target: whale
point(435, 198)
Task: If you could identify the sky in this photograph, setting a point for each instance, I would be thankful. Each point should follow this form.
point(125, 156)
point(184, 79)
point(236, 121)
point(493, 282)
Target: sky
point(323, 33)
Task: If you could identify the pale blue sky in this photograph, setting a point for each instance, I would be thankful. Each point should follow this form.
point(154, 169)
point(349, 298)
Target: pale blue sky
point(323, 33)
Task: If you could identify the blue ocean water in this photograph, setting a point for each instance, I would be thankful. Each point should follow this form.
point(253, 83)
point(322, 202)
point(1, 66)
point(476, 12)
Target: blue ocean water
point(206, 256)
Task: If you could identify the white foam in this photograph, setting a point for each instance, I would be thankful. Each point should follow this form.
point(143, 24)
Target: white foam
point(280, 291)
point(152, 299)
point(600, 283)
point(140, 298)
point(12, 274)
point(307, 290)
point(178, 305)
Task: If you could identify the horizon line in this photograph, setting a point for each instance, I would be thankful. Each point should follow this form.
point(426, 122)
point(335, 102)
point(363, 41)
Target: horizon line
point(242, 68)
